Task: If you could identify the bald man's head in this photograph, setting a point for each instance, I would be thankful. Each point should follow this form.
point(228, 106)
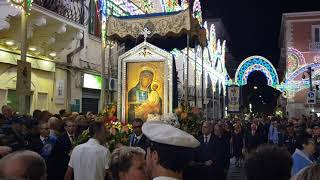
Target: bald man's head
point(24, 164)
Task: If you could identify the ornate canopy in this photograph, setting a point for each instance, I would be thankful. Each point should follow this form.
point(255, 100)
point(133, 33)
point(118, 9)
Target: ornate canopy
point(160, 25)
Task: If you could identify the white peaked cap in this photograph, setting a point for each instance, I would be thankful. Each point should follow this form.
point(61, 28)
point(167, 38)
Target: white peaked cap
point(163, 133)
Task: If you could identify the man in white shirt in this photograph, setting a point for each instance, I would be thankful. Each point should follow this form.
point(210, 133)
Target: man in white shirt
point(169, 150)
point(90, 161)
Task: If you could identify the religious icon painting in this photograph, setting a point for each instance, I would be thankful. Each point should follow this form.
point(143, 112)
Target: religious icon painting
point(144, 89)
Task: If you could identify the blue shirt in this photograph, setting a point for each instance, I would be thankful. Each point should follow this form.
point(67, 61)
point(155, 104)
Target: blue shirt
point(273, 135)
point(48, 147)
point(300, 161)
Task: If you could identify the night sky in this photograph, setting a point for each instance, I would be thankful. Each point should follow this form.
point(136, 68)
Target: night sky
point(254, 25)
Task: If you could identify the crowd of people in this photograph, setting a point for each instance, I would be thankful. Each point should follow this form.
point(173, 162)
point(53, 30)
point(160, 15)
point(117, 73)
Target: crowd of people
point(42, 146)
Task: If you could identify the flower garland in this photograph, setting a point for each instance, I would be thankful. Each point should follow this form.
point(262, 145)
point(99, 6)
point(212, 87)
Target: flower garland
point(187, 119)
point(190, 119)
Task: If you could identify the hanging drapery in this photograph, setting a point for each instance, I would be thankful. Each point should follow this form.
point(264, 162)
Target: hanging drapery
point(162, 24)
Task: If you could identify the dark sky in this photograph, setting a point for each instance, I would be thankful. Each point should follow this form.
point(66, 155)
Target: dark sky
point(254, 25)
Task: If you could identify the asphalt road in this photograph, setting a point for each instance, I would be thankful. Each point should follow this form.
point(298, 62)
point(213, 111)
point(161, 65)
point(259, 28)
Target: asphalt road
point(235, 173)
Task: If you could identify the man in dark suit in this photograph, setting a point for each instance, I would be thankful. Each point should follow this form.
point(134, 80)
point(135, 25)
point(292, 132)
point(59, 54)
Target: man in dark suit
point(290, 138)
point(221, 153)
point(204, 154)
point(137, 139)
point(61, 153)
point(253, 138)
point(37, 142)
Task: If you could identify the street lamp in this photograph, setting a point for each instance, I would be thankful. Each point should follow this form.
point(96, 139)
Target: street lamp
point(255, 87)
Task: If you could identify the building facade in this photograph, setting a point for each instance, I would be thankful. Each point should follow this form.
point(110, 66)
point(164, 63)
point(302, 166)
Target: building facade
point(300, 51)
point(64, 48)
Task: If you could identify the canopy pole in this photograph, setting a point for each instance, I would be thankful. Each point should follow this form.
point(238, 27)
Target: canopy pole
point(195, 74)
point(109, 73)
point(202, 81)
point(187, 81)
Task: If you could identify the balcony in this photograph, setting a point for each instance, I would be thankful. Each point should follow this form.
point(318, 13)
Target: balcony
point(315, 46)
point(74, 10)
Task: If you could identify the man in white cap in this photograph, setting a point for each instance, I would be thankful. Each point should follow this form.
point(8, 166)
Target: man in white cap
point(169, 150)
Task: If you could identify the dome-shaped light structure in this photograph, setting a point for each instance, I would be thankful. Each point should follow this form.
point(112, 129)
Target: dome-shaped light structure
point(51, 40)
point(62, 29)
point(79, 35)
point(53, 54)
point(40, 21)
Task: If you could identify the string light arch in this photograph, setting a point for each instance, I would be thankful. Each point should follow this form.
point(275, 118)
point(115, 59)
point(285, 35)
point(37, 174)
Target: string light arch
point(256, 63)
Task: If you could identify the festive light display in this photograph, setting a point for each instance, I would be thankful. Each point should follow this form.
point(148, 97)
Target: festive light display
point(129, 7)
point(256, 63)
point(296, 66)
point(103, 16)
point(300, 71)
point(223, 52)
point(296, 86)
point(197, 13)
point(184, 4)
point(295, 59)
point(316, 59)
point(213, 54)
point(170, 5)
point(24, 5)
point(147, 6)
point(123, 8)
point(212, 40)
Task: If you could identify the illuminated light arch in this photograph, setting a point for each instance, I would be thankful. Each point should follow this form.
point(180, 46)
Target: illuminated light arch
point(256, 63)
point(295, 59)
point(297, 53)
point(300, 71)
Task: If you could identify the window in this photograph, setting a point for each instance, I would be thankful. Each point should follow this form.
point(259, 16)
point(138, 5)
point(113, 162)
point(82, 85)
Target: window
point(42, 103)
point(315, 33)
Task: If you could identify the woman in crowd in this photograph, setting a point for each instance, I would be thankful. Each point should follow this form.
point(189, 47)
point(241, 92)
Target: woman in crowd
point(237, 144)
point(128, 163)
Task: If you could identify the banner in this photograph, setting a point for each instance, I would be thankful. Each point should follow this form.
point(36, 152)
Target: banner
point(233, 99)
point(23, 85)
point(60, 92)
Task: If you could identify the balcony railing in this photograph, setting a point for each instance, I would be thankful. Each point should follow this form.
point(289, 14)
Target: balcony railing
point(315, 46)
point(74, 10)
